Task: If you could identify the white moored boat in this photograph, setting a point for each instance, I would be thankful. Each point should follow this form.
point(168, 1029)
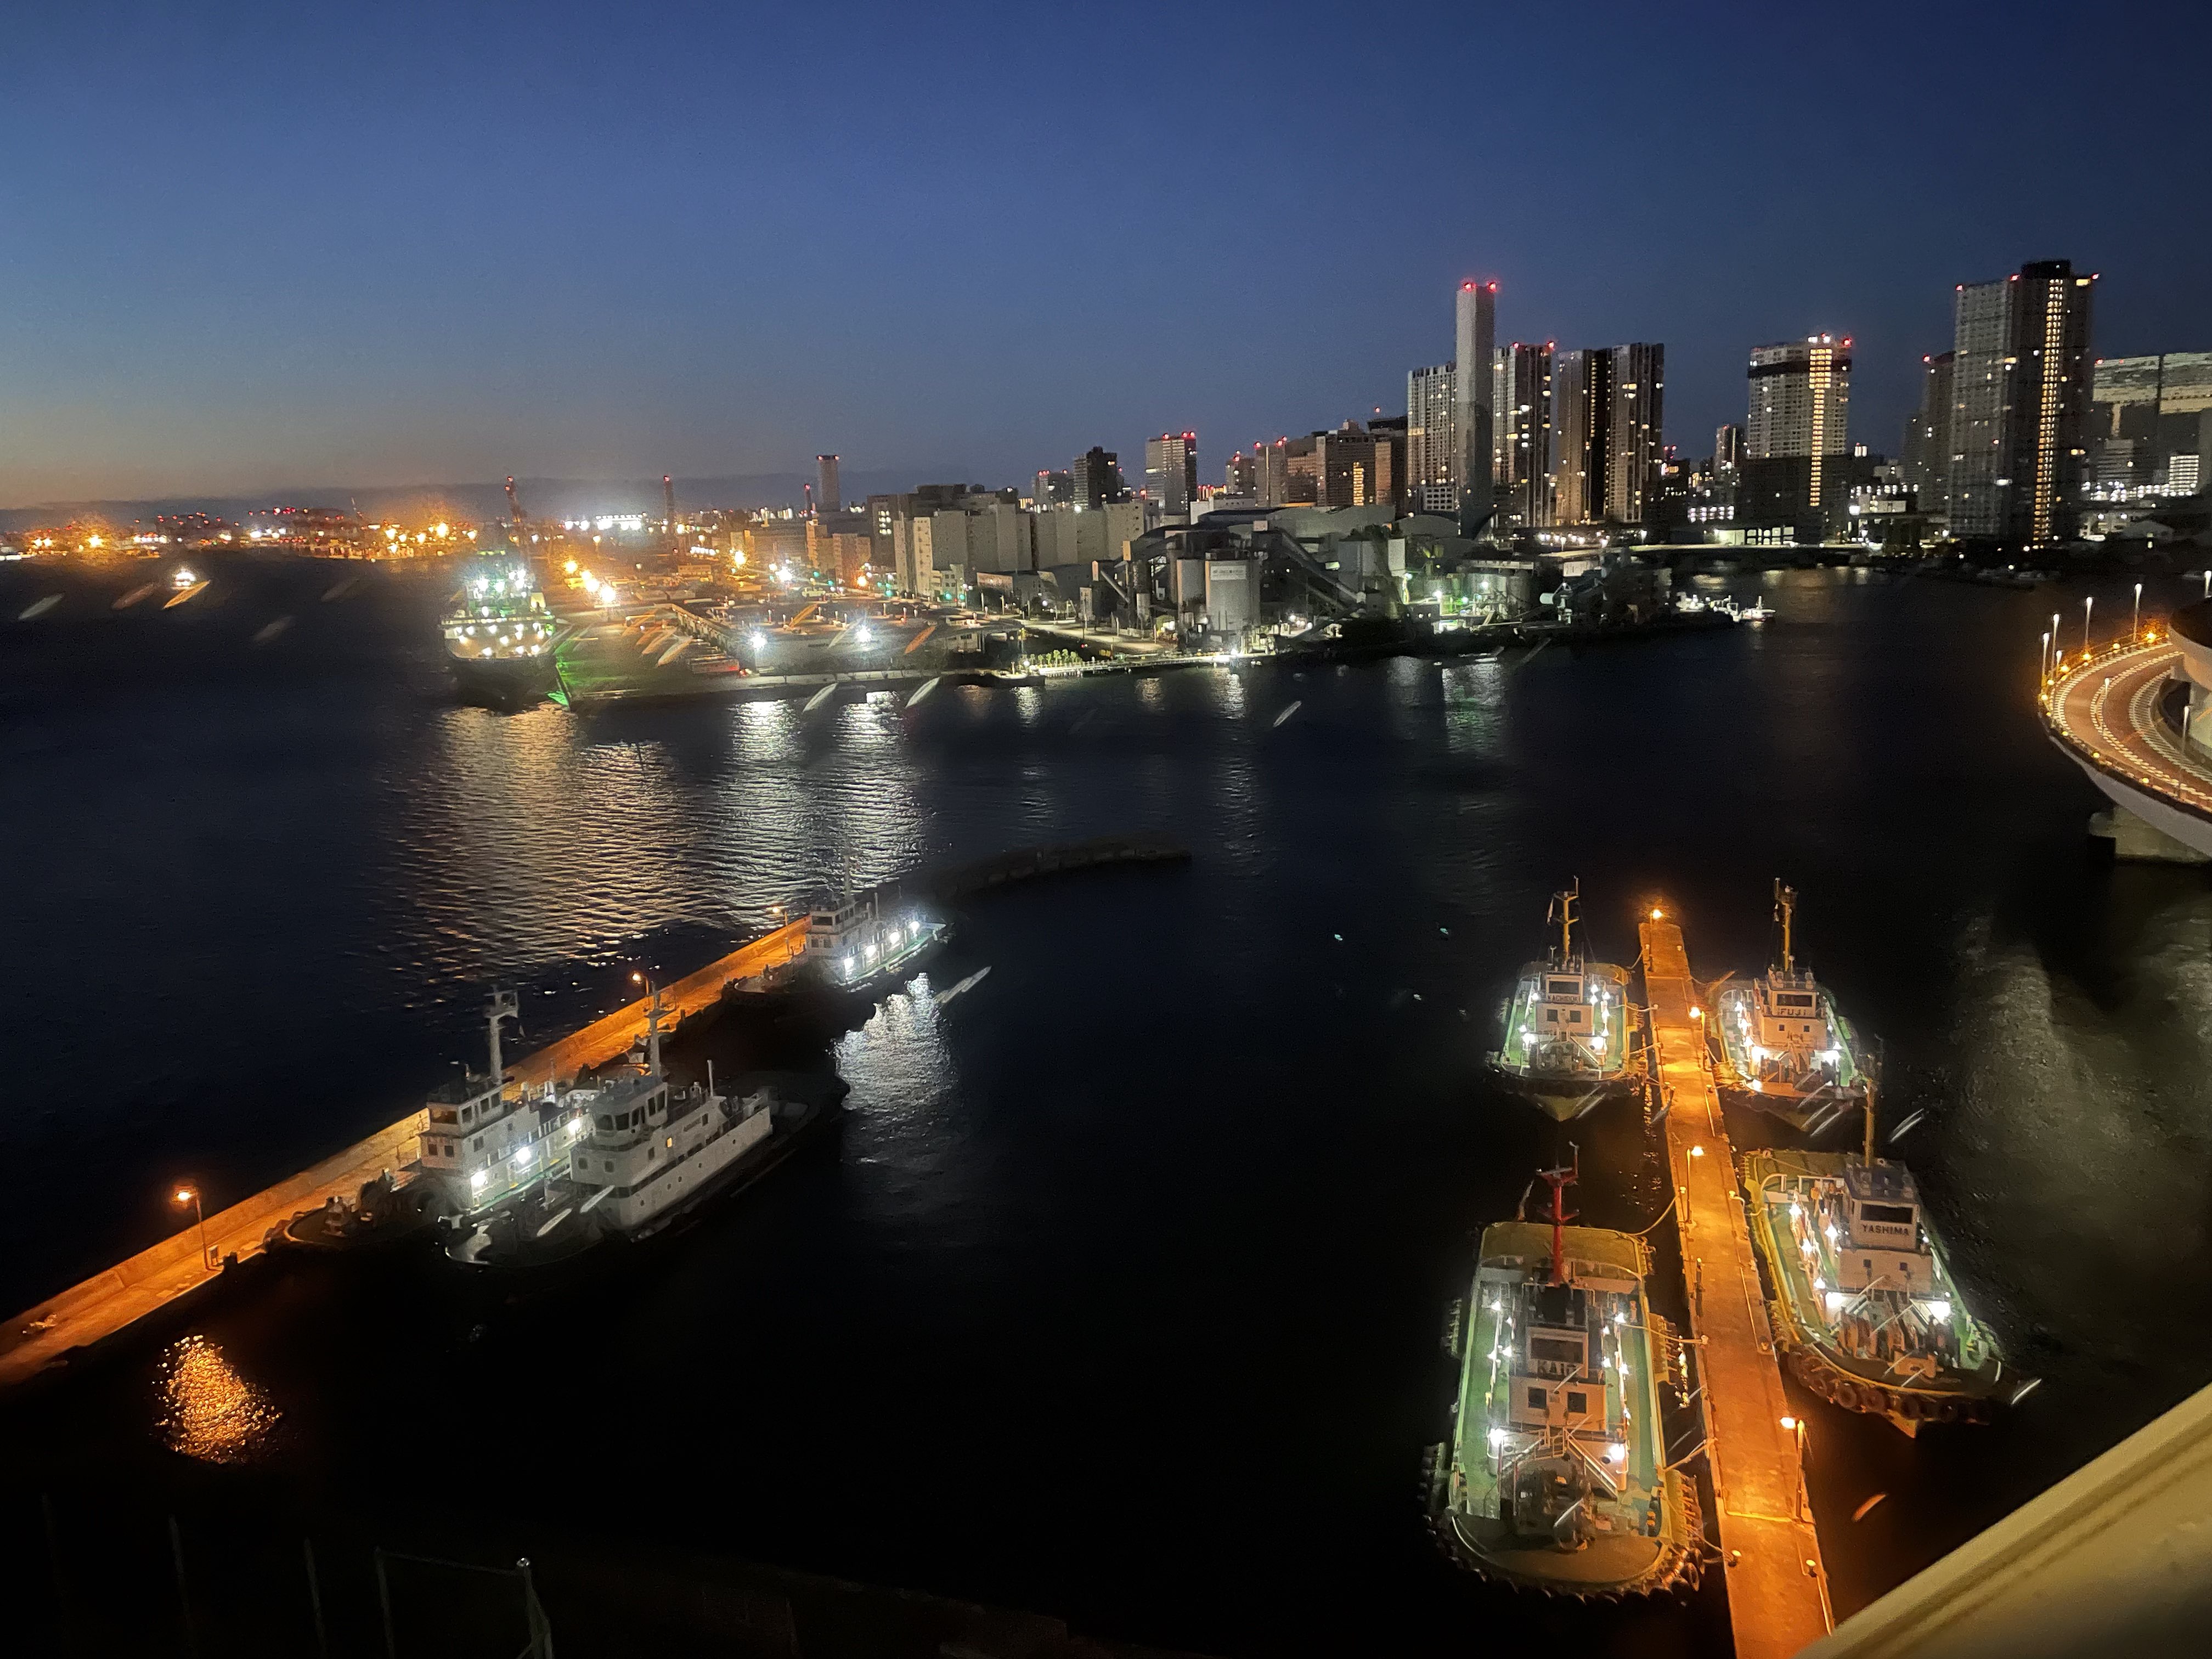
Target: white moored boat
point(652, 1148)
point(482, 1144)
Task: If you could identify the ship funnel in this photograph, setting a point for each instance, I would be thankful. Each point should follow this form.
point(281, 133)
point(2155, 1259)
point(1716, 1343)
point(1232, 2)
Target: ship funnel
point(503, 1005)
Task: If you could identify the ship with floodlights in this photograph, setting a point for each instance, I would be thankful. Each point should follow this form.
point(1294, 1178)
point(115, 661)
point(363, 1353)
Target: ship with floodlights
point(1567, 1039)
point(1864, 1308)
point(1556, 1476)
point(861, 947)
point(1785, 1046)
point(537, 1182)
point(500, 634)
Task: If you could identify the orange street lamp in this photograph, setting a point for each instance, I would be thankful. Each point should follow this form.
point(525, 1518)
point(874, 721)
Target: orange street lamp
point(190, 1195)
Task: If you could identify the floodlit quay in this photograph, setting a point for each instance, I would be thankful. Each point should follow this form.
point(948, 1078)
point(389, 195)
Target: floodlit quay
point(2121, 714)
point(1776, 1585)
point(157, 1276)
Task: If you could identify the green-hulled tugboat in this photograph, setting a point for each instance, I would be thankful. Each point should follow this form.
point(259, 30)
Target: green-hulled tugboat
point(1566, 1039)
point(1787, 1047)
point(1864, 1308)
point(1555, 1478)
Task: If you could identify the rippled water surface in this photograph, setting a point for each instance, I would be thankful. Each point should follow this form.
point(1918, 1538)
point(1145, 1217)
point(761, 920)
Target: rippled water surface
point(1121, 1294)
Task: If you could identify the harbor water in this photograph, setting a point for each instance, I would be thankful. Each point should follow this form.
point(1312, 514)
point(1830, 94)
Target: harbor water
point(1120, 1296)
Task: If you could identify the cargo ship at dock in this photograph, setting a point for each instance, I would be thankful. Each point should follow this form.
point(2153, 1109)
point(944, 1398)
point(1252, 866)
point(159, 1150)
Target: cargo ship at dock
point(1785, 1046)
point(1864, 1308)
point(500, 634)
point(1555, 1477)
point(1566, 1041)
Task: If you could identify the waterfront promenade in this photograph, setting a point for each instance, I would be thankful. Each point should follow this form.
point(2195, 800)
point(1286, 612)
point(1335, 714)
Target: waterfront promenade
point(1776, 1585)
point(159, 1274)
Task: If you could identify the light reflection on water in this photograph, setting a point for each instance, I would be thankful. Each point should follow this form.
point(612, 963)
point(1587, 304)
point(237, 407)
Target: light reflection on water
point(1398, 835)
point(206, 1409)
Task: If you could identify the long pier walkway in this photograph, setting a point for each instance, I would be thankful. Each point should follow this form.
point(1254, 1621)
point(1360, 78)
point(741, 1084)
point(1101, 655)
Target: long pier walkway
point(1777, 1583)
point(158, 1275)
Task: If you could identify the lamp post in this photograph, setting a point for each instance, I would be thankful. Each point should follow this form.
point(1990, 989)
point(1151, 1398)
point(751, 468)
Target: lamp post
point(2045, 660)
point(2134, 630)
point(2086, 605)
point(190, 1195)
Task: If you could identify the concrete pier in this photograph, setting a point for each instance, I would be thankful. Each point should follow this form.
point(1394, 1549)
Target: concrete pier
point(1777, 1585)
point(159, 1274)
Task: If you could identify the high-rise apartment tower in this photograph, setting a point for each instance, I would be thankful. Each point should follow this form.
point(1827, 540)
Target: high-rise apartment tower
point(1433, 452)
point(1796, 440)
point(2021, 392)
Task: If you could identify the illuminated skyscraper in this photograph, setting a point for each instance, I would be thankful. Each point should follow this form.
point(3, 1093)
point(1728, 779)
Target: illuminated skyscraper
point(1580, 404)
point(1608, 410)
point(1501, 407)
point(1796, 439)
point(1432, 438)
point(1634, 430)
point(2051, 402)
point(1476, 333)
point(2021, 392)
point(1526, 420)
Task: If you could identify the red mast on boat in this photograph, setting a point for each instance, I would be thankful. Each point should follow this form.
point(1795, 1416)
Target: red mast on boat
point(1561, 1180)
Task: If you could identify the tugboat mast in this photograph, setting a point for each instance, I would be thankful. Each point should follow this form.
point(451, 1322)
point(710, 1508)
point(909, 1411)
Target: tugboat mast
point(1563, 911)
point(1785, 905)
point(1561, 1180)
point(653, 1032)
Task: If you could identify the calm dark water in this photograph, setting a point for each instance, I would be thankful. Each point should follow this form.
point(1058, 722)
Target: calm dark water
point(1120, 1297)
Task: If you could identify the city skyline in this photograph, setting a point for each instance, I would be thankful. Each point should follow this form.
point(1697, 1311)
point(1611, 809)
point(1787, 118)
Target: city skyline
point(425, 277)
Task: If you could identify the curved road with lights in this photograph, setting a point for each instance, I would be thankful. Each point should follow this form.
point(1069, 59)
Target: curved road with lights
point(2104, 713)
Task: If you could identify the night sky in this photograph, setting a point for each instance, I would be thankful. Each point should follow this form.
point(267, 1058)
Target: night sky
point(248, 247)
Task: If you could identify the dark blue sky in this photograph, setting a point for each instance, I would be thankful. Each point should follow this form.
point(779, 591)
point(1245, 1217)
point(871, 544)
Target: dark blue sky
point(247, 246)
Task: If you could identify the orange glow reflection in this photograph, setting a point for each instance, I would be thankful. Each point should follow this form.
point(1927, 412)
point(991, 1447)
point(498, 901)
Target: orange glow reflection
point(208, 1411)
